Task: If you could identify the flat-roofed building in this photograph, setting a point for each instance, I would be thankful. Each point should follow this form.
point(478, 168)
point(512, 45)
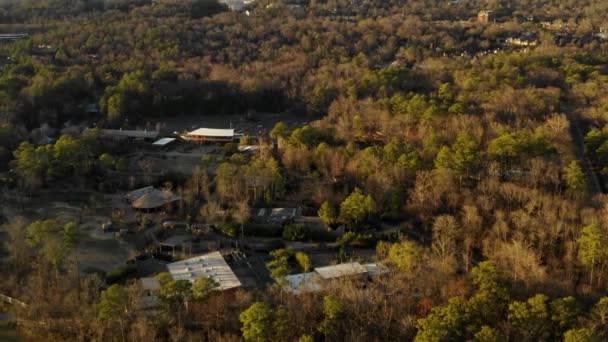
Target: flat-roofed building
point(209, 135)
point(303, 283)
point(341, 270)
point(317, 279)
point(211, 265)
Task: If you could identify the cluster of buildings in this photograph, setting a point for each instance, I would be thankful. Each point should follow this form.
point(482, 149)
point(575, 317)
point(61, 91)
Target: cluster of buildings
point(201, 135)
point(213, 265)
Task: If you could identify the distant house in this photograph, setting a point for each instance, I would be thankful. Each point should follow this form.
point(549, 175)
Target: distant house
point(277, 215)
point(317, 280)
point(211, 265)
point(202, 135)
point(485, 16)
point(176, 242)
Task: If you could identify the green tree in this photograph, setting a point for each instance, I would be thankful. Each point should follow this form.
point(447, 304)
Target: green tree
point(280, 130)
point(116, 107)
point(306, 338)
point(444, 158)
point(175, 295)
point(599, 316)
point(407, 255)
point(203, 288)
point(295, 232)
point(114, 307)
point(279, 265)
point(164, 278)
point(531, 318)
point(40, 231)
point(176, 291)
point(487, 334)
point(72, 155)
point(485, 276)
point(565, 313)
point(32, 164)
point(356, 208)
point(581, 335)
point(465, 154)
point(575, 178)
point(71, 235)
point(489, 304)
point(257, 322)
point(444, 323)
point(304, 261)
point(593, 248)
point(328, 213)
point(333, 310)
point(46, 238)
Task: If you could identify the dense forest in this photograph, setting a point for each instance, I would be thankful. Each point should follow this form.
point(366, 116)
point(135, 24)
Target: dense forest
point(490, 158)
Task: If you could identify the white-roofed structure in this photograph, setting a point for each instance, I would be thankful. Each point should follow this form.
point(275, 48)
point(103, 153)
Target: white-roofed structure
point(315, 281)
point(209, 134)
point(163, 141)
point(303, 283)
point(376, 269)
point(211, 265)
point(341, 270)
point(249, 148)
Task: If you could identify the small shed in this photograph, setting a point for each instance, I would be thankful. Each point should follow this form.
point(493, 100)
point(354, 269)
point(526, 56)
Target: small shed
point(174, 242)
point(163, 142)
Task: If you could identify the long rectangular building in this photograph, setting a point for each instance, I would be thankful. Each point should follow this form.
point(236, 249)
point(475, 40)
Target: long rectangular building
point(317, 279)
point(211, 265)
point(209, 135)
